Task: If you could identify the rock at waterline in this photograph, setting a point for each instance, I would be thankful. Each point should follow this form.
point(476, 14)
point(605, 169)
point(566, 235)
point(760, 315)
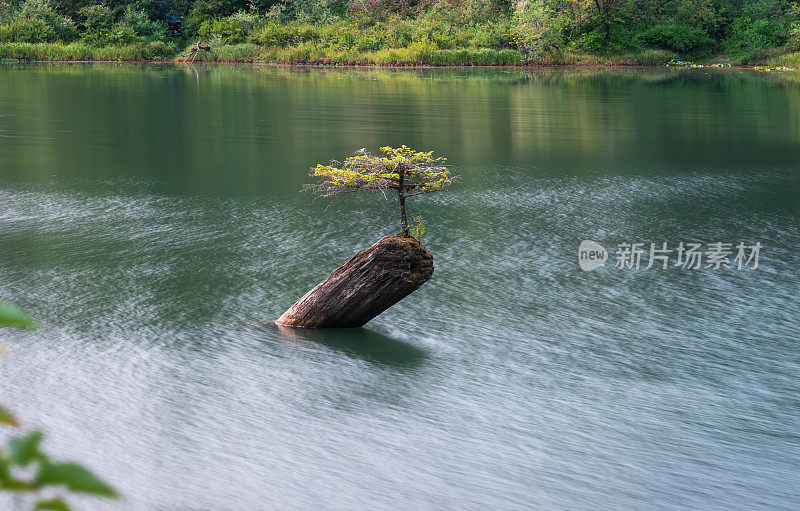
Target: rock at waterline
point(366, 285)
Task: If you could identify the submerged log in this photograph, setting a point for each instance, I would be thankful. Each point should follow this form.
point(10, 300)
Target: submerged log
point(366, 285)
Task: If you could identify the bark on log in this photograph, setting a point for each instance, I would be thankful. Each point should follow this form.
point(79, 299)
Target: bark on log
point(366, 285)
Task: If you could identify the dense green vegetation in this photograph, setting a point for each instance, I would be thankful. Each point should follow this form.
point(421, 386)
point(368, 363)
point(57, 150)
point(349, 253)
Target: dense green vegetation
point(405, 32)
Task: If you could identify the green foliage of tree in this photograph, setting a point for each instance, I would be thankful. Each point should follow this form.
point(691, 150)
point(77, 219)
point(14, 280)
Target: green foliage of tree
point(404, 170)
point(793, 39)
point(314, 10)
point(35, 21)
point(677, 37)
point(143, 27)
point(228, 30)
point(281, 35)
point(748, 38)
point(205, 10)
point(27, 31)
point(96, 17)
point(96, 22)
point(607, 14)
point(418, 230)
point(540, 29)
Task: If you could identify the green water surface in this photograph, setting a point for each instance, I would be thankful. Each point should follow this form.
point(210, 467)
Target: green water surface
point(147, 210)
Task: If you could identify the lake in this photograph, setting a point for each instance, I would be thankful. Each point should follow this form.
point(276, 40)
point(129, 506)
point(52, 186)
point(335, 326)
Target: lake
point(148, 211)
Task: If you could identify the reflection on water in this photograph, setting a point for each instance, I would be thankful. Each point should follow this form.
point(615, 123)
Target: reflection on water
point(173, 132)
point(146, 210)
point(359, 342)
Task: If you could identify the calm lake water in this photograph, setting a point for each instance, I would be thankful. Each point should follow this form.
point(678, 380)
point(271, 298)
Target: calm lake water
point(146, 211)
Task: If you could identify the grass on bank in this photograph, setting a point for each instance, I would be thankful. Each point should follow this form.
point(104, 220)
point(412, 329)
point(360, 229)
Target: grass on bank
point(324, 55)
point(302, 54)
point(312, 54)
point(80, 51)
point(788, 60)
point(418, 55)
point(309, 53)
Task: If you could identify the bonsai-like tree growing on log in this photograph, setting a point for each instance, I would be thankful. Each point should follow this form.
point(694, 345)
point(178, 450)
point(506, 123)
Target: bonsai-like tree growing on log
point(402, 169)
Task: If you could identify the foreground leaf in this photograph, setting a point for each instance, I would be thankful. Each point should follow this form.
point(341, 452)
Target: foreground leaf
point(73, 477)
point(5, 469)
point(7, 418)
point(52, 505)
point(13, 317)
point(16, 485)
point(25, 449)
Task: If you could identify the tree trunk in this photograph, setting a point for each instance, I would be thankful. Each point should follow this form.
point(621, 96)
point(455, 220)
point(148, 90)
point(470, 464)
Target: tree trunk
point(402, 198)
point(363, 287)
point(403, 220)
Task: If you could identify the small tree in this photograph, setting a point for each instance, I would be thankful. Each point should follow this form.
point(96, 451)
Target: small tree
point(401, 169)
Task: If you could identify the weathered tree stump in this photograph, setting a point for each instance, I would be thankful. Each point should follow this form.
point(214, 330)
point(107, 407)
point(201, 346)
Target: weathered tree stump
point(366, 285)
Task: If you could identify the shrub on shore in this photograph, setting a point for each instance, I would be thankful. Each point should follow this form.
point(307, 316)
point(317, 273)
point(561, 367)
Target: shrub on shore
point(35, 21)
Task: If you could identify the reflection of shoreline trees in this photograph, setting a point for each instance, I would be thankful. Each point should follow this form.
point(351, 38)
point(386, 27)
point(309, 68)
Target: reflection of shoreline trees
point(226, 72)
point(602, 116)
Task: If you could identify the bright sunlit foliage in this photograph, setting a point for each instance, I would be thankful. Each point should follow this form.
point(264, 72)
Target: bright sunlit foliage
point(422, 172)
point(403, 169)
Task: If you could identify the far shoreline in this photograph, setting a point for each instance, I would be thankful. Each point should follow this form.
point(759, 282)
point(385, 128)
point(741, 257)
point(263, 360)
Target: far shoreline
point(394, 58)
point(745, 67)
